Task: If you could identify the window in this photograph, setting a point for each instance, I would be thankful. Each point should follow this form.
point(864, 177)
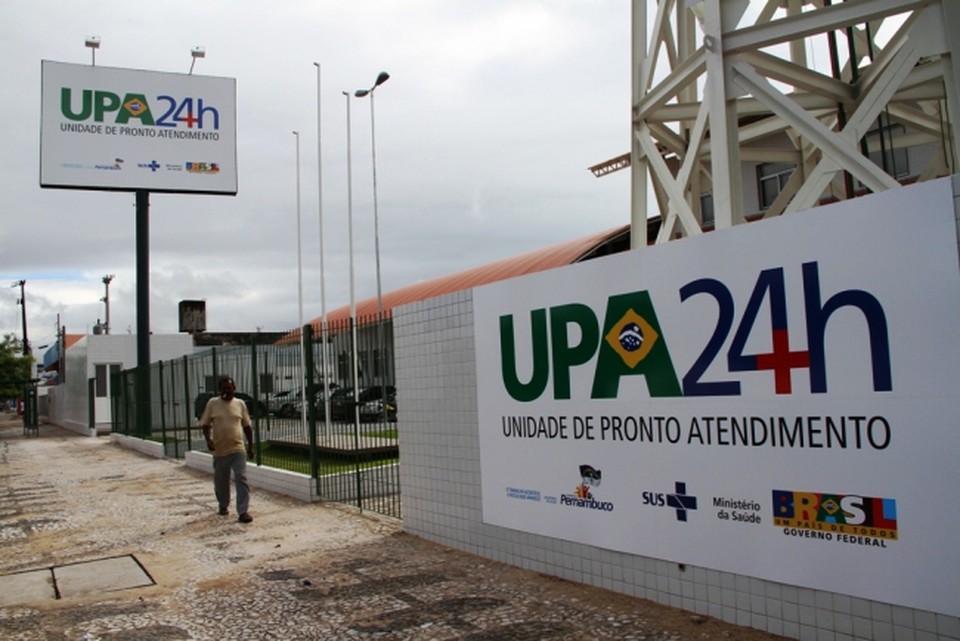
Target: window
point(102, 374)
point(884, 154)
point(771, 178)
point(706, 210)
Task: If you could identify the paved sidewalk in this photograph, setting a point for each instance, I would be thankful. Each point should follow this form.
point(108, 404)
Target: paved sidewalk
point(84, 508)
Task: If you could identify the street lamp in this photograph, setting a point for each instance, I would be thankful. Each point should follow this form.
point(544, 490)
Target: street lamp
point(360, 93)
point(355, 375)
point(93, 42)
point(382, 77)
point(196, 52)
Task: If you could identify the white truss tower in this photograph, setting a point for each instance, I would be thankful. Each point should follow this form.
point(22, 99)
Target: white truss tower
point(720, 84)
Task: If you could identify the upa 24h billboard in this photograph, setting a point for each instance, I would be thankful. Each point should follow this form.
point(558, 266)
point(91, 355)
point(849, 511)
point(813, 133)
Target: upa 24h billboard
point(123, 129)
point(776, 400)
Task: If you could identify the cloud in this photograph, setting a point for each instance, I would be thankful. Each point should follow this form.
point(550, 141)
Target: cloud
point(484, 132)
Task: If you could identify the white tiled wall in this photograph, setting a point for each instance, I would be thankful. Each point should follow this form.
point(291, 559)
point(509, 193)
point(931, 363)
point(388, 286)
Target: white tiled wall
point(440, 477)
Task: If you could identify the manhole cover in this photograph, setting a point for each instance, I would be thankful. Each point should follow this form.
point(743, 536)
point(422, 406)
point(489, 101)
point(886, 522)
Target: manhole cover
point(77, 579)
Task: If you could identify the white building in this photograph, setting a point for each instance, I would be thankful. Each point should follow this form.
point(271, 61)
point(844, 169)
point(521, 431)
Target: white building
point(82, 402)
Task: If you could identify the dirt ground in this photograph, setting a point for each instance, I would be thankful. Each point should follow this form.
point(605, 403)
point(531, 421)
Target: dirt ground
point(305, 571)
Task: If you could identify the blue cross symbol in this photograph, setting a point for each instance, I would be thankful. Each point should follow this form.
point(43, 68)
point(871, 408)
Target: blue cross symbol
point(681, 501)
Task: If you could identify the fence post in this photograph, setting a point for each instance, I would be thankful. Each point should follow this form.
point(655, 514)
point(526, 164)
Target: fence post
point(118, 403)
point(216, 370)
point(187, 405)
point(127, 400)
point(256, 397)
point(163, 413)
point(142, 410)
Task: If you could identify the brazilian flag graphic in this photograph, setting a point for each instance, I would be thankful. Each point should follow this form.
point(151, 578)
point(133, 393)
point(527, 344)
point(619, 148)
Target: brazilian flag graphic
point(634, 345)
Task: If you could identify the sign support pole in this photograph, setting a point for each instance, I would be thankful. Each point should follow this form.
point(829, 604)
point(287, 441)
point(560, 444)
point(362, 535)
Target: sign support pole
point(142, 384)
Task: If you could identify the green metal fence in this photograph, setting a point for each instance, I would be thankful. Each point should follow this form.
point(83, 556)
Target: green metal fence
point(344, 439)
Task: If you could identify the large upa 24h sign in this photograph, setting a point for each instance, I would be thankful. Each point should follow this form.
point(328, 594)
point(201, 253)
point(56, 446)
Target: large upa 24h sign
point(122, 129)
point(777, 400)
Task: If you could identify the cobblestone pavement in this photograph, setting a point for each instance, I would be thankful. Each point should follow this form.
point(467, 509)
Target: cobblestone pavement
point(299, 571)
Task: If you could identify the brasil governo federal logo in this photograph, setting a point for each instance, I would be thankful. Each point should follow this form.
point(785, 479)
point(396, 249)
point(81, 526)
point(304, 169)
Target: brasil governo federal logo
point(832, 514)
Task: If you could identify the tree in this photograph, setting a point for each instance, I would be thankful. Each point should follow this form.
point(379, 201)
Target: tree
point(14, 367)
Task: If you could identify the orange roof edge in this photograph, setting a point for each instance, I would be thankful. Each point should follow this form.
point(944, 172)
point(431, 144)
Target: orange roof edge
point(558, 255)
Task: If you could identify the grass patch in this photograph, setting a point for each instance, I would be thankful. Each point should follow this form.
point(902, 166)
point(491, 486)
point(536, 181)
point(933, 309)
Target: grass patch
point(297, 460)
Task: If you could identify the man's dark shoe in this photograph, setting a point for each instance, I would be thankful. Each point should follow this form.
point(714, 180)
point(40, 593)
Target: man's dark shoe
point(245, 518)
point(223, 511)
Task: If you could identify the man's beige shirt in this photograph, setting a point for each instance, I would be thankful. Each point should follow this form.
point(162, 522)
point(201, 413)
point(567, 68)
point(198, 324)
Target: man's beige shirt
point(227, 419)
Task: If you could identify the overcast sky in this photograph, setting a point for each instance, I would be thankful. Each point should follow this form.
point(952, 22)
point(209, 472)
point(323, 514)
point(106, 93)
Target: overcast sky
point(484, 132)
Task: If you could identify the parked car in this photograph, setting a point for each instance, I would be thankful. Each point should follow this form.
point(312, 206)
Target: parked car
point(373, 411)
point(370, 403)
point(277, 400)
point(255, 408)
point(291, 406)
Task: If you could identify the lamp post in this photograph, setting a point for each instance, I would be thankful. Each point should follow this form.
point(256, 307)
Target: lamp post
point(360, 93)
point(353, 289)
point(106, 301)
point(93, 42)
point(382, 77)
point(196, 52)
point(353, 310)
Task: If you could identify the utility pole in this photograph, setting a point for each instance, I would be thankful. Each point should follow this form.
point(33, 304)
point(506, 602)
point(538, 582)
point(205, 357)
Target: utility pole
point(61, 349)
point(29, 387)
point(23, 304)
point(106, 300)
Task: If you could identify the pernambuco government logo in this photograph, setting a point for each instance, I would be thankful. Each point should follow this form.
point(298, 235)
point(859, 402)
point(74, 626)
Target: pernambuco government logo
point(116, 165)
point(589, 478)
point(582, 497)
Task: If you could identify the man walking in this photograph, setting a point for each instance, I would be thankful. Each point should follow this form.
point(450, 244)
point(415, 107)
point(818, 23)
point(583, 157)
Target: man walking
point(227, 419)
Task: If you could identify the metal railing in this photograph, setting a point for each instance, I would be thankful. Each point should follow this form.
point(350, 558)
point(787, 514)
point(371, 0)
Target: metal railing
point(352, 454)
